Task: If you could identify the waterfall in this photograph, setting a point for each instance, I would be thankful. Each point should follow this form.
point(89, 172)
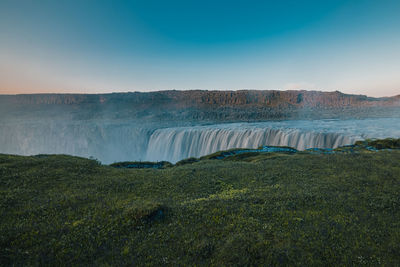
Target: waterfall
point(107, 142)
point(112, 141)
point(174, 144)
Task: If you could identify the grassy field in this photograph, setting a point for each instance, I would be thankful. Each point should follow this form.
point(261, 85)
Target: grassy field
point(298, 209)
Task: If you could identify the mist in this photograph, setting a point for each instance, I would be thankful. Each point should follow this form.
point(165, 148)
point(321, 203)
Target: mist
point(110, 141)
point(174, 125)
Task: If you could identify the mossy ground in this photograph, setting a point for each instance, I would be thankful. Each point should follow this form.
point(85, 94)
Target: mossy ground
point(141, 164)
point(388, 143)
point(268, 209)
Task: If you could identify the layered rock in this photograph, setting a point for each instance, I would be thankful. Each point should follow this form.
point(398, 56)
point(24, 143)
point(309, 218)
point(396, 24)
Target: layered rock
point(251, 105)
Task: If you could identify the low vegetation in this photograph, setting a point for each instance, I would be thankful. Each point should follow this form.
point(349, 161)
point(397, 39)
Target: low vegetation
point(293, 209)
point(141, 164)
point(388, 143)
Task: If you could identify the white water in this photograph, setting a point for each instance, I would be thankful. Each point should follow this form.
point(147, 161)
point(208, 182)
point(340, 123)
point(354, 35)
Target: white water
point(125, 141)
point(177, 143)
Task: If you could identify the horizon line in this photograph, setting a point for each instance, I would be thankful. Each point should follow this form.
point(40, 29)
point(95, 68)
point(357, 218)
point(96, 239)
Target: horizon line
point(188, 90)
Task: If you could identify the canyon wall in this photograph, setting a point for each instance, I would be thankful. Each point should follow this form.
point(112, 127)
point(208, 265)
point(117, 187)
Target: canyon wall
point(198, 105)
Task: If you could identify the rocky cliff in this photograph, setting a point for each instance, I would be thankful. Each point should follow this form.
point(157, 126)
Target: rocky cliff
point(200, 105)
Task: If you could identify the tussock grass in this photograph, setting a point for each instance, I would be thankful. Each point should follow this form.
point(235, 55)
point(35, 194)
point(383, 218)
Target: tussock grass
point(270, 209)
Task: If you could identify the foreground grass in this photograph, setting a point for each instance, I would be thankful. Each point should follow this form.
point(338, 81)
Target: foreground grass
point(276, 209)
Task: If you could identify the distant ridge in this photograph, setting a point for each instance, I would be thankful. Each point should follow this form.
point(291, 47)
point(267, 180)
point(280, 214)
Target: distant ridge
point(204, 97)
point(204, 105)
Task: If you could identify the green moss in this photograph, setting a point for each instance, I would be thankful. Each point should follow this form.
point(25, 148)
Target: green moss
point(267, 209)
point(388, 143)
point(142, 165)
point(187, 161)
point(221, 154)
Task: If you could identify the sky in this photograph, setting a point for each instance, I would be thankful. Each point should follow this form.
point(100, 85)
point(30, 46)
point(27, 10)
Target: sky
point(98, 46)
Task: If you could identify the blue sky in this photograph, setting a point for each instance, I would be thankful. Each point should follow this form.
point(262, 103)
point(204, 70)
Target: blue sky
point(94, 46)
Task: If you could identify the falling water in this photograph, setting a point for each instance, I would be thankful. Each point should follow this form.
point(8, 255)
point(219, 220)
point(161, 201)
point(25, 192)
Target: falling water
point(111, 141)
point(174, 144)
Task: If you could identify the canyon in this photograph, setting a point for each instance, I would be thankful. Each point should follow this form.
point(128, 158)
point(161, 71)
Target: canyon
point(174, 125)
point(200, 105)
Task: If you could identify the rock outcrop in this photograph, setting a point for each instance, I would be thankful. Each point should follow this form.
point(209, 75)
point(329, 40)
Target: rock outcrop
point(251, 105)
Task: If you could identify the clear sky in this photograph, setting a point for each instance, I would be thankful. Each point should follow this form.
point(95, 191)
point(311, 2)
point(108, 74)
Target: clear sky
point(94, 46)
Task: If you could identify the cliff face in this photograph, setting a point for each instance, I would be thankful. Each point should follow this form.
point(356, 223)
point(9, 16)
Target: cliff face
point(197, 104)
point(199, 98)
